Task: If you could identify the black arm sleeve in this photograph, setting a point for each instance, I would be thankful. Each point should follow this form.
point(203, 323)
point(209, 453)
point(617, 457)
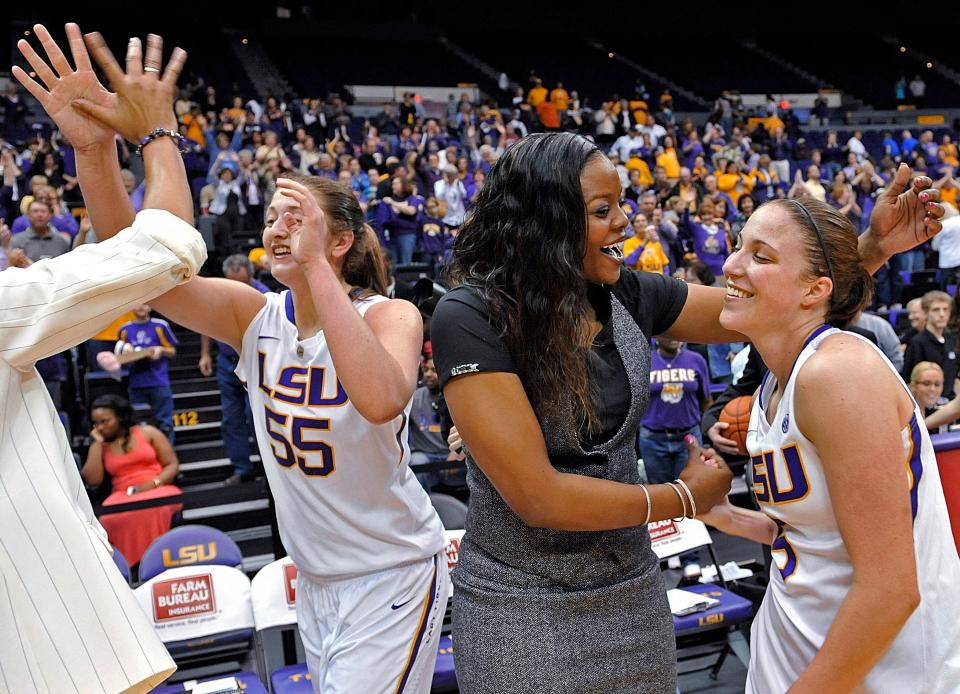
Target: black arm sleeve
point(464, 338)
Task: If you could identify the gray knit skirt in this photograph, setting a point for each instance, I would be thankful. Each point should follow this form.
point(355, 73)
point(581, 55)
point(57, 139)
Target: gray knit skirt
point(616, 638)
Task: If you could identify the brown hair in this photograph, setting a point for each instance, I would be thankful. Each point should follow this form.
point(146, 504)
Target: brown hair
point(364, 265)
point(826, 231)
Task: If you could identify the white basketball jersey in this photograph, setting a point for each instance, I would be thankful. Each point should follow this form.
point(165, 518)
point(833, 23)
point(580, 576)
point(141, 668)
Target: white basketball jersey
point(813, 570)
point(347, 503)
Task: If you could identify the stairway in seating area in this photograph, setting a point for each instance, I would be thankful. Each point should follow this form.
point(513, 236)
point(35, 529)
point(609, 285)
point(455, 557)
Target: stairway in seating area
point(242, 511)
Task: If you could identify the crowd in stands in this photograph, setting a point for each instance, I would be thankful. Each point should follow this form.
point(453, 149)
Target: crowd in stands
point(688, 188)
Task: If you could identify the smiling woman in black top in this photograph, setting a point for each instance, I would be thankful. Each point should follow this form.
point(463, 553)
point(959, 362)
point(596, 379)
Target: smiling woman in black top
point(543, 352)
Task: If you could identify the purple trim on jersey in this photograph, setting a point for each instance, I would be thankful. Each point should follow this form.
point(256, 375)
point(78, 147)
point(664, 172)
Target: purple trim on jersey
point(823, 328)
point(763, 383)
point(915, 465)
point(424, 621)
point(288, 306)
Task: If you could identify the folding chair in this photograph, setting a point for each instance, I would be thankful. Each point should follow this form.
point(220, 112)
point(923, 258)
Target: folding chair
point(717, 630)
point(189, 545)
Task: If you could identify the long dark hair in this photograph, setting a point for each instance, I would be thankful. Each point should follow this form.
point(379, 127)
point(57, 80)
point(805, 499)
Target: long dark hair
point(522, 248)
point(364, 266)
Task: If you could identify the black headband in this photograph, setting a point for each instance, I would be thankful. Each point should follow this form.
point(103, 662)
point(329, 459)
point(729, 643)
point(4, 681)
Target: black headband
point(823, 245)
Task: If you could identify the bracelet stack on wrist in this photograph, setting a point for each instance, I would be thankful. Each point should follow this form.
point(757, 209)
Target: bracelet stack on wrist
point(693, 504)
point(182, 144)
point(683, 502)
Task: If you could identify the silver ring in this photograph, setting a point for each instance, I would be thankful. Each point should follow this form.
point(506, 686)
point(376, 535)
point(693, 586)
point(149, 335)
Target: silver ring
point(151, 69)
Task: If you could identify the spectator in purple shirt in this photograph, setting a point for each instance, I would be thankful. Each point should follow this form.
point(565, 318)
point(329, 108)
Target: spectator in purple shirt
point(707, 237)
point(149, 380)
point(679, 393)
point(60, 218)
point(400, 214)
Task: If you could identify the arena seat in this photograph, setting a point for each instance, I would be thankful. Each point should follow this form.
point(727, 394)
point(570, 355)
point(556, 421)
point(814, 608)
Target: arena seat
point(187, 545)
point(122, 564)
point(203, 615)
point(273, 596)
point(452, 511)
point(715, 631)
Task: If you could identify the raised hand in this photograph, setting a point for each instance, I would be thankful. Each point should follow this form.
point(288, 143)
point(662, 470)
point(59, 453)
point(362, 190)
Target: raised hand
point(904, 218)
point(308, 234)
point(64, 84)
point(143, 100)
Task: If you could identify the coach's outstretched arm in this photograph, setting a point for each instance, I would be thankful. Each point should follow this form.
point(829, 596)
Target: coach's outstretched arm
point(59, 302)
point(143, 102)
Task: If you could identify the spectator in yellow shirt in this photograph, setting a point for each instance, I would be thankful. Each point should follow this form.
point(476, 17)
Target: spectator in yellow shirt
point(949, 150)
point(733, 182)
point(667, 158)
point(636, 162)
point(647, 254)
point(537, 94)
point(560, 98)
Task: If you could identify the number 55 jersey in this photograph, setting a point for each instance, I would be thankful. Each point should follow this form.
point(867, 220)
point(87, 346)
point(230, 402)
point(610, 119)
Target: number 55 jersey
point(347, 503)
point(813, 571)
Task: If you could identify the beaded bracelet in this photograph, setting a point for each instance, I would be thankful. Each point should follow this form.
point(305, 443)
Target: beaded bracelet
point(182, 145)
point(693, 504)
point(649, 504)
point(683, 502)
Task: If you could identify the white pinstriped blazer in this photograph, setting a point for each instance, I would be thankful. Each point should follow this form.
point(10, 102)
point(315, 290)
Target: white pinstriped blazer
point(68, 621)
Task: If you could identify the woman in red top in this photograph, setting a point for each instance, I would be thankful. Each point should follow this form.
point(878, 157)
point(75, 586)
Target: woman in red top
point(142, 465)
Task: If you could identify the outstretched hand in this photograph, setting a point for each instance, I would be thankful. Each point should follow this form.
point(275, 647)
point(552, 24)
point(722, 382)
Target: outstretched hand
point(305, 222)
point(65, 84)
point(906, 215)
point(143, 100)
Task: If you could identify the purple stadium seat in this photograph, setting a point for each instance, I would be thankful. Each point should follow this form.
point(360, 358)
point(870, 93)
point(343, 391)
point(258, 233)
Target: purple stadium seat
point(293, 679)
point(249, 683)
point(186, 545)
point(731, 610)
point(121, 563)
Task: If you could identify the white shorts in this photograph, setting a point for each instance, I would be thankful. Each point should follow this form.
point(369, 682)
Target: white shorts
point(377, 633)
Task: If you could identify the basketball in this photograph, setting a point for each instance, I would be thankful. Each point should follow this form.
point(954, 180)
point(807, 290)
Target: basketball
point(736, 413)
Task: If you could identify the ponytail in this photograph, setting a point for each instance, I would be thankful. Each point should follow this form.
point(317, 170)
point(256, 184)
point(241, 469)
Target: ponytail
point(364, 265)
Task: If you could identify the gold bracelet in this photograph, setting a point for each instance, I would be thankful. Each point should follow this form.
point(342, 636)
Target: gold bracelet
point(649, 504)
point(693, 504)
point(683, 501)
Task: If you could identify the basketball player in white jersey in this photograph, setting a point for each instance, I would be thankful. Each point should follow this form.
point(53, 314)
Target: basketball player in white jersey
point(865, 592)
point(331, 367)
point(68, 620)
